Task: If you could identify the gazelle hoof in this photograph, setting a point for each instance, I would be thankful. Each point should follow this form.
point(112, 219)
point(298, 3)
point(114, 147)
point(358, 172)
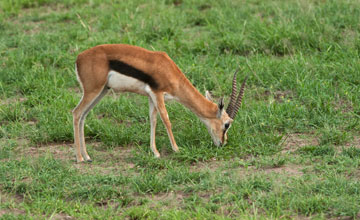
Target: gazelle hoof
point(79, 160)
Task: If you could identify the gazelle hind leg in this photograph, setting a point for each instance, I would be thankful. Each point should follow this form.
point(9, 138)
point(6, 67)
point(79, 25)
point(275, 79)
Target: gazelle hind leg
point(88, 101)
point(153, 119)
point(83, 145)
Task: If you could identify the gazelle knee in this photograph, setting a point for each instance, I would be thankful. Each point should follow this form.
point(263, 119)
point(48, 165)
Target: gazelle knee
point(75, 112)
point(167, 123)
point(76, 118)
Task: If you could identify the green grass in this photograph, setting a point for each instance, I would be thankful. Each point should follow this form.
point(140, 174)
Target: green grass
point(293, 151)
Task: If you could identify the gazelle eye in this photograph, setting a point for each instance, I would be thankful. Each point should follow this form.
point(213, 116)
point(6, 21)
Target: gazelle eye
point(227, 125)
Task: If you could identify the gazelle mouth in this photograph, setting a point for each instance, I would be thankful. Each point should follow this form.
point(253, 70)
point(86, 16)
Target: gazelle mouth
point(218, 143)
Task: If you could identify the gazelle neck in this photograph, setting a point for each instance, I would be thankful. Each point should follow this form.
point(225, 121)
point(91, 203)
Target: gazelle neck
point(191, 98)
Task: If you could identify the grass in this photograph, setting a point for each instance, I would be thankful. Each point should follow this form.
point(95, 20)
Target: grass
point(293, 151)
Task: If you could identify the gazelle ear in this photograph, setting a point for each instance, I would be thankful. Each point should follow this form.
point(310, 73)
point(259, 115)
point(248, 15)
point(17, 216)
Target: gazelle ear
point(220, 107)
point(208, 95)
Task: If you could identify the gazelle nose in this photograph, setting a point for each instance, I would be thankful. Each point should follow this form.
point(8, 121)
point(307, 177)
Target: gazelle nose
point(217, 143)
point(221, 143)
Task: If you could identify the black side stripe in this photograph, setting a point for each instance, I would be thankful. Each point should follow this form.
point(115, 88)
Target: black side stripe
point(131, 71)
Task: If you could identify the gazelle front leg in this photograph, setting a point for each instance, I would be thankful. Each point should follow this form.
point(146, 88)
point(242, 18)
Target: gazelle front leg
point(153, 119)
point(160, 105)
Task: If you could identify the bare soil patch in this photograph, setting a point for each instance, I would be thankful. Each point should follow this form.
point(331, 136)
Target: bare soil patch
point(292, 142)
point(211, 165)
point(62, 216)
point(290, 170)
point(13, 100)
point(343, 105)
point(354, 142)
point(4, 198)
point(278, 96)
point(171, 199)
point(13, 211)
point(61, 151)
point(106, 162)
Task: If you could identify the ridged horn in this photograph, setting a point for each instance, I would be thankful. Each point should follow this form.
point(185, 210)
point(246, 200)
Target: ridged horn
point(238, 100)
point(230, 107)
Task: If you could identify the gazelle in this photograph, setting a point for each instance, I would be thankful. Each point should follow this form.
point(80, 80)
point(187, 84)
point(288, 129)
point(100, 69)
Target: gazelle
point(127, 68)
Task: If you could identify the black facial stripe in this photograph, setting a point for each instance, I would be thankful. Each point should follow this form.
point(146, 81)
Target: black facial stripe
point(223, 136)
point(131, 71)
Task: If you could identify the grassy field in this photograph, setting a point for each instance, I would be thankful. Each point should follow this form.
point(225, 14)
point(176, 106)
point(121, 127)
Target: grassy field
point(293, 151)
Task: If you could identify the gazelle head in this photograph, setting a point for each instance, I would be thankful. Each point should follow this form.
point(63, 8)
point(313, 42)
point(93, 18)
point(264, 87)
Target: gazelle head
point(219, 126)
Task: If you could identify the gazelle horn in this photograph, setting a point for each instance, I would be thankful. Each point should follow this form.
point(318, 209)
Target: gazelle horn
point(230, 107)
point(238, 100)
point(235, 103)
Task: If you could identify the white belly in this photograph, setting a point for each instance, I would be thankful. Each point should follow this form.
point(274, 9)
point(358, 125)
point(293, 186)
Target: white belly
point(122, 83)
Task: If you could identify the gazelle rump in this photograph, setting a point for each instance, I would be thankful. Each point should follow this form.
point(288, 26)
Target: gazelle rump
point(127, 68)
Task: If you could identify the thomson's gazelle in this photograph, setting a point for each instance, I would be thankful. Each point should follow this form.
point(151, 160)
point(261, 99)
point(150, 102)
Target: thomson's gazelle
point(129, 68)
